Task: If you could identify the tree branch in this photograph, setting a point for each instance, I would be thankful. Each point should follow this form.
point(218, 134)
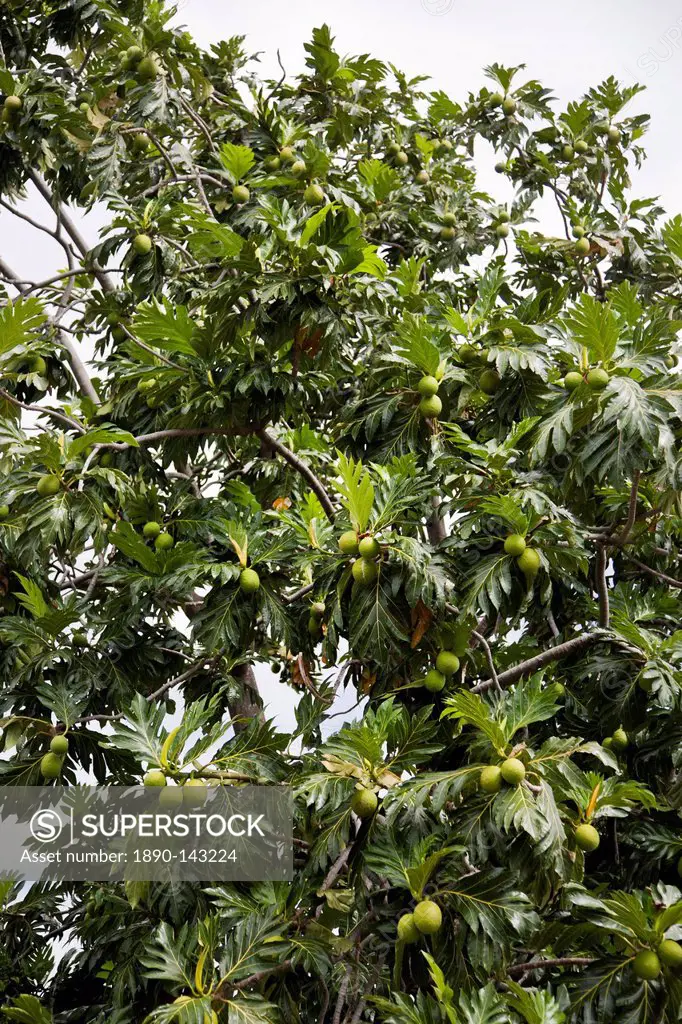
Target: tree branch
point(44, 411)
point(526, 668)
point(564, 961)
point(623, 537)
point(77, 365)
point(602, 588)
point(301, 467)
point(70, 228)
point(670, 580)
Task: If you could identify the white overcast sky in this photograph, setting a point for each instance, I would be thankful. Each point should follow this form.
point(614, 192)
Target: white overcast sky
point(568, 49)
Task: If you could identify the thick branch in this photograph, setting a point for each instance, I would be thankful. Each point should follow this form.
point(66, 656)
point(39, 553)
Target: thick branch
point(436, 528)
point(302, 468)
point(77, 365)
point(247, 704)
point(526, 668)
point(602, 589)
point(71, 229)
point(624, 536)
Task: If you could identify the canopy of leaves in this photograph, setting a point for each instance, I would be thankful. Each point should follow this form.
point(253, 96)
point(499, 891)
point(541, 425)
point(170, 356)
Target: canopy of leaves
point(238, 359)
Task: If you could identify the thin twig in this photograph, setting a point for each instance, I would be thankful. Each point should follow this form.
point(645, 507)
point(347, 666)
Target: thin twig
point(489, 658)
point(302, 468)
point(44, 411)
point(563, 961)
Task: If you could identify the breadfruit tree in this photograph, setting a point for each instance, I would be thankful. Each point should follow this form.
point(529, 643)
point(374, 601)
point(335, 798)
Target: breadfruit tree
point(315, 404)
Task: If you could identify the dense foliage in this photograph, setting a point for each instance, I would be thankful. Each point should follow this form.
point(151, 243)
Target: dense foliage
point(303, 329)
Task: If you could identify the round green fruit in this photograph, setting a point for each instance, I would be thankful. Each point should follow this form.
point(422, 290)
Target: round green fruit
point(597, 379)
point(467, 354)
point(573, 380)
point(364, 803)
point(449, 219)
point(513, 771)
point(578, 230)
point(503, 217)
point(317, 609)
point(509, 106)
point(582, 246)
point(401, 158)
point(447, 663)
point(4, 511)
point(500, 167)
point(670, 954)
point(155, 777)
point(586, 838)
point(613, 134)
point(147, 69)
point(135, 54)
point(490, 779)
point(515, 544)
point(59, 745)
point(249, 581)
point(427, 917)
point(369, 547)
point(496, 99)
point(489, 382)
point(13, 104)
point(348, 543)
point(427, 386)
point(271, 163)
point(298, 168)
point(241, 194)
point(286, 155)
point(407, 929)
point(314, 195)
point(430, 408)
point(434, 681)
point(529, 562)
point(607, 743)
point(47, 485)
point(444, 146)
point(170, 797)
point(79, 639)
point(164, 542)
point(151, 529)
point(619, 740)
point(194, 793)
point(422, 178)
point(38, 365)
point(314, 627)
point(568, 152)
point(142, 245)
point(646, 965)
point(50, 766)
point(118, 334)
point(502, 230)
point(581, 146)
point(364, 571)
